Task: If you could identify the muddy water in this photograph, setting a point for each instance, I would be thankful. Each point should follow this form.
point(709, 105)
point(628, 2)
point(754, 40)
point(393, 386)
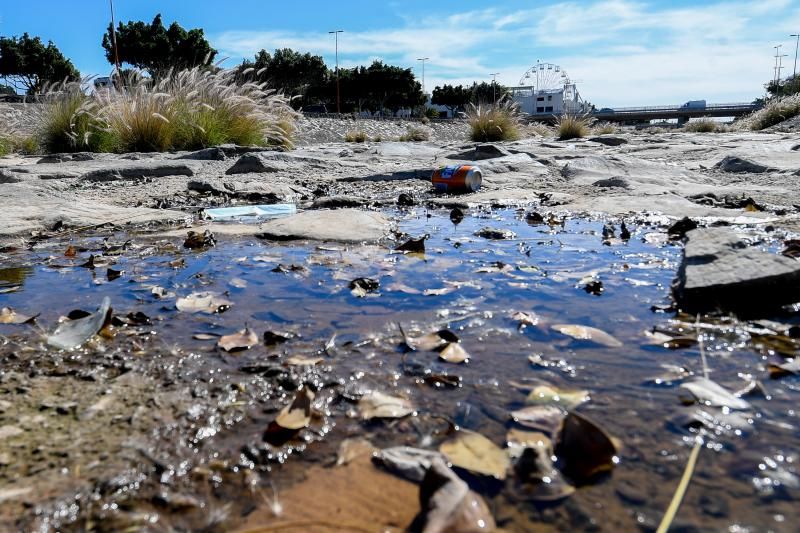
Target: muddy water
point(152, 426)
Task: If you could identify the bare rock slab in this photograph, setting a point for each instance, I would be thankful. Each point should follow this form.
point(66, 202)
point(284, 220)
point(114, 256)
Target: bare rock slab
point(138, 170)
point(738, 165)
point(343, 225)
point(720, 271)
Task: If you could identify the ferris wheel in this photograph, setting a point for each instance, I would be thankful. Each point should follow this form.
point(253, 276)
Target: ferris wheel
point(544, 77)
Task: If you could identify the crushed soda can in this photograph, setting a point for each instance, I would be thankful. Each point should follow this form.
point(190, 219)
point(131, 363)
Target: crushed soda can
point(457, 178)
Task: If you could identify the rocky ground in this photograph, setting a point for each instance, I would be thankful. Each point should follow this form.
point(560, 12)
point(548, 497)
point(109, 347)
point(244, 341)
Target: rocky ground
point(339, 187)
point(676, 174)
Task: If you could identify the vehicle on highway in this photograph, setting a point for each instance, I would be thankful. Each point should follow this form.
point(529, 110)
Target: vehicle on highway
point(694, 104)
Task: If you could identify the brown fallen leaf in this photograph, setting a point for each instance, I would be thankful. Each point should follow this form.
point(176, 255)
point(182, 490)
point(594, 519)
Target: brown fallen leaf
point(299, 360)
point(349, 449)
point(546, 418)
point(9, 316)
point(70, 251)
point(474, 452)
point(241, 340)
point(430, 341)
point(413, 245)
point(203, 302)
point(297, 414)
point(584, 449)
point(454, 353)
point(542, 482)
point(519, 439)
point(587, 333)
point(525, 319)
point(551, 395)
point(376, 404)
point(448, 505)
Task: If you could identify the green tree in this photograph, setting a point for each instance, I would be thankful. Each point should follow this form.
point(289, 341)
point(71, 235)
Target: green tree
point(452, 97)
point(787, 87)
point(483, 92)
point(27, 64)
point(156, 49)
point(298, 76)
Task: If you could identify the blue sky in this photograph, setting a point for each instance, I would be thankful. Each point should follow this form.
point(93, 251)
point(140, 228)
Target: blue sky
point(621, 52)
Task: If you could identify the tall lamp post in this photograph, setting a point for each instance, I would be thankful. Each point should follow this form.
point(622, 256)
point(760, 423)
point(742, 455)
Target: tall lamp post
point(494, 85)
point(796, 46)
point(423, 59)
point(114, 39)
point(336, 39)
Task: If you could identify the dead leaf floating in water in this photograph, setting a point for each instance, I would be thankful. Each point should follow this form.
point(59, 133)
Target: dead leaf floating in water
point(454, 353)
point(413, 245)
point(525, 319)
point(710, 393)
point(360, 287)
point(431, 341)
point(778, 369)
point(73, 333)
point(203, 302)
point(519, 439)
point(542, 482)
point(379, 405)
point(297, 414)
point(546, 418)
point(195, 240)
point(9, 316)
point(474, 452)
point(549, 395)
point(350, 449)
point(241, 340)
point(407, 462)
point(587, 333)
point(448, 505)
point(585, 450)
point(299, 360)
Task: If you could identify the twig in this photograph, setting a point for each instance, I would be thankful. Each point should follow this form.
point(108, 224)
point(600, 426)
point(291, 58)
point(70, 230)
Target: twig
point(677, 498)
point(680, 492)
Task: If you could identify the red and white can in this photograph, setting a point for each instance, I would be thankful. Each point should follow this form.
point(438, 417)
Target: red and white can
point(457, 178)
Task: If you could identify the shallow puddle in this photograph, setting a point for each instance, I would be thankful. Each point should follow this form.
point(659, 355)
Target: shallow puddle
point(152, 425)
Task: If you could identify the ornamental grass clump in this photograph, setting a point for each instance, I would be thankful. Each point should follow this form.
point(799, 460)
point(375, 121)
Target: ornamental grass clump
point(415, 135)
point(774, 112)
point(572, 126)
point(184, 110)
point(703, 125)
point(494, 122)
point(355, 137)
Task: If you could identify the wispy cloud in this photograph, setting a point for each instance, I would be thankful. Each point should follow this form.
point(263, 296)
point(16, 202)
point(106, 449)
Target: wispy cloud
point(621, 51)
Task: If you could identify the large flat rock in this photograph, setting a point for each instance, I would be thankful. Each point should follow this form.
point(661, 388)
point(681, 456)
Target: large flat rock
point(720, 271)
point(344, 225)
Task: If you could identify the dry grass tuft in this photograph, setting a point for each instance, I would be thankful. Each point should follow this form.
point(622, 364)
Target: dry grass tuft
point(185, 110)
point(415, 135)
point(572, 126)
point(356, 137)
point(776, 111)
point(604, 128)
point(705, 125)
point(494, 122)
point(540, 129)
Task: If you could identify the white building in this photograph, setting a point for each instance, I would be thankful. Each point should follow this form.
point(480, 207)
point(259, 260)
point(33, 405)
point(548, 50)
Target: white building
point(545, 89)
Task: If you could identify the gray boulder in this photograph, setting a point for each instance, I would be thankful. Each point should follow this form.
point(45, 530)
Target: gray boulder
point(214, 153)
point(144, 169)
point(256, 163)
point(720, 271)
point(609, 140)
point(737, 164)
point(343, 225)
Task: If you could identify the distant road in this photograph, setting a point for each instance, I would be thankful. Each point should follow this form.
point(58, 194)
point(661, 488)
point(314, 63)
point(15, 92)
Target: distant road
point(681, 112)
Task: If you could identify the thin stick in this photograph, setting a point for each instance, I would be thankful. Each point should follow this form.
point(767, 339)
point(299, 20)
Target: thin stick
point(677, 498)
point(680, 492)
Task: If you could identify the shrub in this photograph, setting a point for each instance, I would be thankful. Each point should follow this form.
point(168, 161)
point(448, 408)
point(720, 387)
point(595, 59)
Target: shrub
point(415, 135)
point(572, 126)
point(355, 137)
point(186, 110)
point(702, 125)
point(774, 112)
point(27, 145)
point(604, 128)
point(494, 122)
point(377, 139)
point(543, 130)
point(5, 145)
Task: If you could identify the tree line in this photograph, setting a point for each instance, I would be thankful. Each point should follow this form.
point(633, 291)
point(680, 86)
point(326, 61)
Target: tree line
point(28, 64)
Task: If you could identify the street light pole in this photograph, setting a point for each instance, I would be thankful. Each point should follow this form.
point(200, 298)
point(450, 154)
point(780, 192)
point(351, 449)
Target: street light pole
point(494, 86)
point(423, 59)
point(114, 38)
point(775, 73)
point(338, 100)
point(796, 46)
